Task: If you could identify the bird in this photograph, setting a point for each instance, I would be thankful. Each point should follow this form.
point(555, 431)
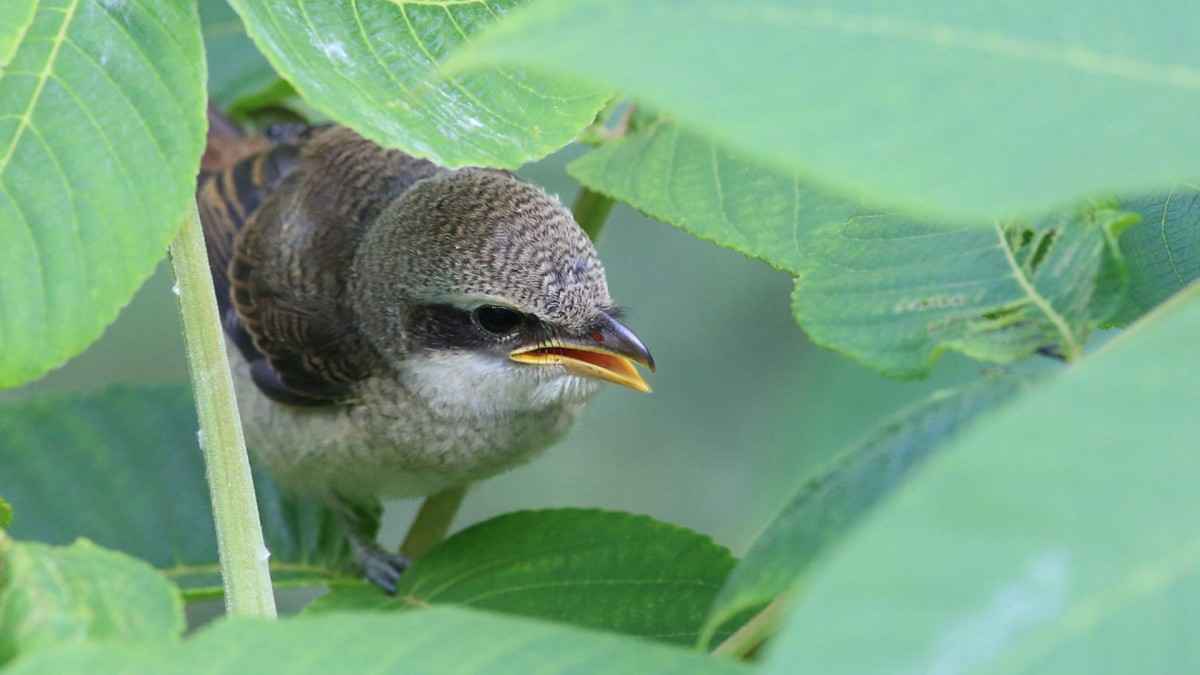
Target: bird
point(397, 328)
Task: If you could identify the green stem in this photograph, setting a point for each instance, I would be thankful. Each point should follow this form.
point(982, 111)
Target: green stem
point(432, 522)
point(591, 209)
point(753, 633)
point(240, 547)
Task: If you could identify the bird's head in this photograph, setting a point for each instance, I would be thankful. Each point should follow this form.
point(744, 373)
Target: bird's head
point(484, 290)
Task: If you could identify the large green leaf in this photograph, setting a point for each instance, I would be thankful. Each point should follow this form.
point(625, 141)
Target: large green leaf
point(101, 129)
point(596, 569)
point(966, 111)
point(1163, 251)
point(123, 467)
point(829, 505)
point(890, 292)
point(441, 641)
point(895, 294)
point(51, 595)
point(724, 197)
point(5, 514)
point(372, 64)
point(236, 69)
point(1058, 536)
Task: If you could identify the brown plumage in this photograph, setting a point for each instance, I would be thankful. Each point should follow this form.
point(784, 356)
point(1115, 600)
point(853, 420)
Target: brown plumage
point(283, 220)
point(399, 327)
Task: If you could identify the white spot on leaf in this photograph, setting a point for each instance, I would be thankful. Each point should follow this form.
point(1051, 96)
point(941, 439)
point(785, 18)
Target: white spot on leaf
point(334, 51)
point(1037, 595)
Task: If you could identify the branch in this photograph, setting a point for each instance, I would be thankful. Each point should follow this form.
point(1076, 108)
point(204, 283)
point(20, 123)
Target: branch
point(243, 555)
point(591, 209)
point(432, 522)
point(753, 633)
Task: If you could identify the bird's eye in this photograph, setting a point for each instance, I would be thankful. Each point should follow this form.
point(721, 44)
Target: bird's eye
point(498, 320)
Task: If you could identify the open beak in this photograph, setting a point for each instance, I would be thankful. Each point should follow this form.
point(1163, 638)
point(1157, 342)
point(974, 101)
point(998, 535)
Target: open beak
point(608, 351)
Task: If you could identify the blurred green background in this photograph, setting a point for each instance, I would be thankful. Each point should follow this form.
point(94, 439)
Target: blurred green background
point(744, 408)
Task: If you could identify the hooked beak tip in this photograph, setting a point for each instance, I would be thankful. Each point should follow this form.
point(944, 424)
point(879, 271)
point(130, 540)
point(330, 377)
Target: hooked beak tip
point(609, 354)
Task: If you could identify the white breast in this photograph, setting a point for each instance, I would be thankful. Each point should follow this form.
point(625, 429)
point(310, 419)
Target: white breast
point(445, 421)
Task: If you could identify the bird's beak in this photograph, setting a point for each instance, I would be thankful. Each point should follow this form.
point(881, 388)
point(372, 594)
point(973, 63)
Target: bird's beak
point(608, 351)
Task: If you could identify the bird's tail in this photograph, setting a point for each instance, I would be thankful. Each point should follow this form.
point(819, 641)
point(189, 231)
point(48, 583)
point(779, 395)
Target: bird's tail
point(227, 143)
point(237, 171)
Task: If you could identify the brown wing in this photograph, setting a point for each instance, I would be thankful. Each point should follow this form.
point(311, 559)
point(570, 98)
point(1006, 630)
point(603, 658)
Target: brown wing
point(282, 224)
point(236, 175)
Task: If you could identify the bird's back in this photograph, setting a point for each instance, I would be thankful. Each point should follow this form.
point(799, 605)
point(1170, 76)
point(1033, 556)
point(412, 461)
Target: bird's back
point(283, 215)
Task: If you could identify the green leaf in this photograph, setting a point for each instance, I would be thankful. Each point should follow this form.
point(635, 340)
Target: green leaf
point(51, 596)
point(445, 641)
point(122, 467)
point(724, 197)
point(372, 64)
point(101, 130)
point(829, 505)
point(1058, 536)
point(236, 69)
point(963, 112)
point(896, 294)
point(6, 514)
point(890, 292)
point(596, 569)
point(1162, 252)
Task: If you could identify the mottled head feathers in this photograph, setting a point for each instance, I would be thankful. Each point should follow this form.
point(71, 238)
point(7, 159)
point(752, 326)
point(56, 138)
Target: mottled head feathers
point(482, 235)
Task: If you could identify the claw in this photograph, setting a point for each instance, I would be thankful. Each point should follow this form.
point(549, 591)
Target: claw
point(382, 568)
point(360, 523)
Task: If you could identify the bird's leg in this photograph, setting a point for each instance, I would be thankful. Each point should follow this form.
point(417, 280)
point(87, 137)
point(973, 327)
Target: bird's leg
point(361, 523)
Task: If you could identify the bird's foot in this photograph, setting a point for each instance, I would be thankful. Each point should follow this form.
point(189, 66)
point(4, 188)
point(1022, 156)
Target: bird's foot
point(361, 523)
point(1052, 352)
point(380, 567)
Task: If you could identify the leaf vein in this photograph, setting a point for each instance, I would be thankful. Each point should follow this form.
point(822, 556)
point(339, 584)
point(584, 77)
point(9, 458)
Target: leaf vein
point(80, 256)
point(108, 142)
point(145, 58)
point(38, 254)
point(1167, 241)
point(1059, 322)
point(433, 63)
point(27, 115)
point(24, 31)
point(137, 113)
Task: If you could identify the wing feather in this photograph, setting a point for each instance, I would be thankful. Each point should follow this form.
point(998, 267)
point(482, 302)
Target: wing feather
point(282, 218)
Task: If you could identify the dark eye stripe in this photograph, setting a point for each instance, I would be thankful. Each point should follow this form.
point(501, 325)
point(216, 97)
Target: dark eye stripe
point(498, 320)
point(446, 327)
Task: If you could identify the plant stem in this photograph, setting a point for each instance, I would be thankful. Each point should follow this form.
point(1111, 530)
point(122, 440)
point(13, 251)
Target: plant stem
point(432, 522)
point(753, 633)
point(243, 555)
point(591, 209)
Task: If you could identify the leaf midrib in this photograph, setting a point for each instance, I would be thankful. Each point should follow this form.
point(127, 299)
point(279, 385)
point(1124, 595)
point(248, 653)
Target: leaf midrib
point(1060, 323)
